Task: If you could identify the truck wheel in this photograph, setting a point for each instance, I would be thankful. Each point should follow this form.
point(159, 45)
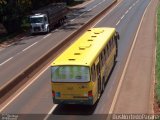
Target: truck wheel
point(48, 30)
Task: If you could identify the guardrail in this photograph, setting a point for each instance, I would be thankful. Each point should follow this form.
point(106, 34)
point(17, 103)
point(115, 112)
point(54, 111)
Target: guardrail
point(22, 77)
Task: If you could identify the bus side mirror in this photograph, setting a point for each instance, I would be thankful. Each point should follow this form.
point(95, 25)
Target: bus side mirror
point(117, 36)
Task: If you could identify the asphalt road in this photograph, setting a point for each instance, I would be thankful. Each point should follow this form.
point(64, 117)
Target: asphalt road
point(137, 90)
point(17, 57)
point(36, 99)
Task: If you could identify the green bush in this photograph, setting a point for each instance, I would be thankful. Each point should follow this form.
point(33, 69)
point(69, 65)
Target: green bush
point(158, 57)
point(25, 24)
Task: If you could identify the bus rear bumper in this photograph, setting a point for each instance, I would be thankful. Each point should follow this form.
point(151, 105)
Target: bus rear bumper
point(80, 102)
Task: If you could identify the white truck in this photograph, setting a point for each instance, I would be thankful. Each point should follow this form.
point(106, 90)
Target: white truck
point(45, 19)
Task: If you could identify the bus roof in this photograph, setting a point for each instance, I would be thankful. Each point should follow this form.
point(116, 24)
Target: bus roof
point(86, 48)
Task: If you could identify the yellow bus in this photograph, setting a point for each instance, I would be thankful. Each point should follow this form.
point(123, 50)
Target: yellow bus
point(79, 74)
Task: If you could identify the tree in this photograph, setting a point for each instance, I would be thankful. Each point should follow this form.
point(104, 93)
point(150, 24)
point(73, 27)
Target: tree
point(12, 12)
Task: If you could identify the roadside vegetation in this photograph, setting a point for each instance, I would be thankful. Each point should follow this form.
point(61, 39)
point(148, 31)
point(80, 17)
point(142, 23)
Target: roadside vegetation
point(14, 14)
point(158, 58)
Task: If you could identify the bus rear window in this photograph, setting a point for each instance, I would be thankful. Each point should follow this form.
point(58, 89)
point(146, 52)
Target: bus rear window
point(70, 74)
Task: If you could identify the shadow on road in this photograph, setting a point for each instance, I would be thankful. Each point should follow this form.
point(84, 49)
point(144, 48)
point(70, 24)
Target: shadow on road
point(74, 110)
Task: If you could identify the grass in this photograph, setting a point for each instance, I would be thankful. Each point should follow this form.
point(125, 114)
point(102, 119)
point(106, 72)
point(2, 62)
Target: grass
point(158, 58)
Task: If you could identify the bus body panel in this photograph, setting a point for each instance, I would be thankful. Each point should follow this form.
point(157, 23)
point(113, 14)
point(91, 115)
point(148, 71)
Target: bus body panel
point(73, 93)
point(96, 49)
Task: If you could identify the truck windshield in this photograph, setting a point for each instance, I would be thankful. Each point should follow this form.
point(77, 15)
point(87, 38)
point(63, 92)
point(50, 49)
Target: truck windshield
point(70, 74)
point(36, 20)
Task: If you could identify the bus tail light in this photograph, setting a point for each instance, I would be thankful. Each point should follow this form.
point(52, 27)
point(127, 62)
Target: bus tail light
point(90, 94)
point(53, 94)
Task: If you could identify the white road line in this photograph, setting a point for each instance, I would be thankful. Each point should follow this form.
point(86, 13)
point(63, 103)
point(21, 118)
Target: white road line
point(126, 11)
point(50, 112)
point(72, 20)
point(46, 36)
point(106, 14)
point(124, 14)
point(118, 22)
point(6, 61)
point(20, 92)
point(29, 46)
point(81, 14)
point(93, 7)
point(134, 4)
point(18, 53)
point(126, 66)
point(49, 34)
point(122, 17)
point(92, 26)
point(87, 11)
point(130, 7)
point(100, 3)
point(97, 5)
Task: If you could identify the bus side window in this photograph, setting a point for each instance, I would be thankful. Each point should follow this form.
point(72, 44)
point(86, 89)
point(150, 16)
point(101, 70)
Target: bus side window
point(108, 49)
point(101, 60)
point(111, 43)
point(93, 72)
point(104, 55)
point(98, 69)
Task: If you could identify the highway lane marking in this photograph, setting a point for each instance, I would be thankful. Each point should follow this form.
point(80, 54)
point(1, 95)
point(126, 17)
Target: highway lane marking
point(83, 5)
point(87, 11)
point(50, 112)
point(122, 17)
point(130, 7)
point(118, 22)
point(6, 61)
point(106, 14)
point(42, 72)
point(92, 26)
point(20, 92)
point(46, 36)
point(29, 46)
point(81, 15)
point(126, 66)
point(100, 3)
point(97, 5)
point(126, 13)
point(49, 34)
point(17, 54)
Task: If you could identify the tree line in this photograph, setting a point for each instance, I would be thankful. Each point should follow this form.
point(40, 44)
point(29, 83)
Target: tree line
point(13, 12)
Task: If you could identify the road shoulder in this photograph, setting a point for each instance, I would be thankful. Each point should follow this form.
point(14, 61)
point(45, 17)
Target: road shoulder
point(137, 90)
